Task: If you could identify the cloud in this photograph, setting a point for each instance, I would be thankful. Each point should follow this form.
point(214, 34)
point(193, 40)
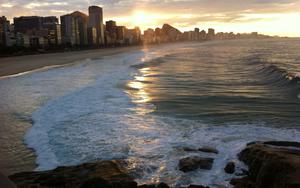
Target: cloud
point(179, 12)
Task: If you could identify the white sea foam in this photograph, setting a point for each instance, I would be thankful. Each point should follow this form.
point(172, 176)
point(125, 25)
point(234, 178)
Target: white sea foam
point(100, 121)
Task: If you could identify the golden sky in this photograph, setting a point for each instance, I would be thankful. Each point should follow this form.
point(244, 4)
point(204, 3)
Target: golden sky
point(273, 17)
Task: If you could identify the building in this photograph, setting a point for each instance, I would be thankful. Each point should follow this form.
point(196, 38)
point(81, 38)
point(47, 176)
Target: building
point(149, 36)
point(92, 36)
point(202, 35)
point(211, 34)
point(4, 30)
point(67, 30)
point(24, 23)
point(111, 32)
point(80, 25)
point(96, 21)
point(170, 32)
point(42, 31)
point(121, 33)
point(196, 34)
point(51, 24)
point(133, 36)
point(74, 29)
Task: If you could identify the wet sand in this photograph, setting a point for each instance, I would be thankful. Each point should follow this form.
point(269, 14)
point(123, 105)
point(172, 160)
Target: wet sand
point(20, 64)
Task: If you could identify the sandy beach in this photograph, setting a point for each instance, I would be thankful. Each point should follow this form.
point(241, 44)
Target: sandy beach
point(20, 64)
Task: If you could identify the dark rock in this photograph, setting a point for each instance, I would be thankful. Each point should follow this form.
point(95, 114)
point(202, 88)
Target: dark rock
point(147, 186)
point(230, 168)
point(197, 186)
point(208, 150)
point(271, 165)
point(195, 162)
point(162, 185)
point(188, 149)
point(5, 182)
point(103, 174)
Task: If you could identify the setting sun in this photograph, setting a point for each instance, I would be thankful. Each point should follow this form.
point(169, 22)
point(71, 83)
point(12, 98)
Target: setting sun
point(142, 19)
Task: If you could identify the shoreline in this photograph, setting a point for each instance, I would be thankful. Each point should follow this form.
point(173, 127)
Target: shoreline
point(19, 65)
point(22, 65)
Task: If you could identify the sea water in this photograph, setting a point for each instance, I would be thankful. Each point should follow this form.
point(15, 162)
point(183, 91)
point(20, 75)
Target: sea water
point(146, 106)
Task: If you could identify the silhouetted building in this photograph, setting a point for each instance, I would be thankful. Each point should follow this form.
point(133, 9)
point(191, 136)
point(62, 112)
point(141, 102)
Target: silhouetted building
point(211, 34)
point(133, 36)
point(111, 32)
point(170, 32)
point(4, 30)
point(121, 33)
point(53, 37)
point(196, 34)
point(149, 36)
point(41, 31)
point(92, 36)
point(24, 23)
point(68, 29)
point(96, 21)
point(202, 35)
point(81, 23)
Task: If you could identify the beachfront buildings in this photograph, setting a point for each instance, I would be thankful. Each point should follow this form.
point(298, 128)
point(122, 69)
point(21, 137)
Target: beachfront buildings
point(79, 30)
point(96, 23)
point(35, 32)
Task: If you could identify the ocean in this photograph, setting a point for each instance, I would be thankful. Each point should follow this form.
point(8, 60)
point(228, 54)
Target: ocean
point(145, 106)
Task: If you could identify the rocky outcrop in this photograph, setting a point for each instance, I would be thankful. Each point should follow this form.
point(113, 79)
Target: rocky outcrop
point(5, 182)
point(160, 185)
point(208, 150)
point(271, 165)
point(104, 174)
point(230, 168)
point(192, 163)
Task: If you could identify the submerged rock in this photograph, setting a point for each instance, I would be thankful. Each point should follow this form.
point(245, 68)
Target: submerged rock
point(192, 163)
point(160, 185)
point(271, 165)
point(188, 149)
point(208, 150)
point(197, 186)
point(103, 174)
point(230, 168)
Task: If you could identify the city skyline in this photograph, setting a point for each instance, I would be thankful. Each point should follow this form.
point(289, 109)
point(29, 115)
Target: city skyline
point(273, 17)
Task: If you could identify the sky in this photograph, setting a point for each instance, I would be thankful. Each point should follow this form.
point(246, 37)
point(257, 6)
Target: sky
point(272, 17)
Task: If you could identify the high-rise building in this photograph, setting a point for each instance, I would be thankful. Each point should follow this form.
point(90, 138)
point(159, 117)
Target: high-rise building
point(211, 34)
point(96, 21)
point(54, 30)
point(81, 24)
point(196, 34)
point(133, 36)
point(74, 29)
point(111, 32)
point(121, 32)
point(202, 35)
point(68, 29)
point(24, 23)
point(4, 30)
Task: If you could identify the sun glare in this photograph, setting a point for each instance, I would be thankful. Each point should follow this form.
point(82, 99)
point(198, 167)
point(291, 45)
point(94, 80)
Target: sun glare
point(141, 18)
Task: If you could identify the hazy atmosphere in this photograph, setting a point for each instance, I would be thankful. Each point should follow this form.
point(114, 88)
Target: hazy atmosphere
point(272, 17)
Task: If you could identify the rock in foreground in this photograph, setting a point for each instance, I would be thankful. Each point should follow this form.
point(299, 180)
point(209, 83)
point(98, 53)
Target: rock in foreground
point(230, 168)
point(192, 163)
point(104, 174)
point(208, 150)
point(271, 165)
